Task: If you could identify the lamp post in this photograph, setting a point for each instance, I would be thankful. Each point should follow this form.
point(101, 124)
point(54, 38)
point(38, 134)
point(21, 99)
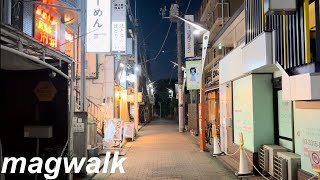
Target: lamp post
point(205, 40)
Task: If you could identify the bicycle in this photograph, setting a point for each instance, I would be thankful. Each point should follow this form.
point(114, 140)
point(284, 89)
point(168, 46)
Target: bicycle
point(209, 133)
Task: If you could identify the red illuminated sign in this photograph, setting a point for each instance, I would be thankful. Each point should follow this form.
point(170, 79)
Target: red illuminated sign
point(46, 29)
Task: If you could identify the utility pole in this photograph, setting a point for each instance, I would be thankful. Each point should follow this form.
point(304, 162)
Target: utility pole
point(174, 13)
point(179, 47)
point(136, 84)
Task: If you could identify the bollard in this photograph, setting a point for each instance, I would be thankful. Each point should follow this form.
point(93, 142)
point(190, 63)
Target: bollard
point(243, 165)
point(216, 148)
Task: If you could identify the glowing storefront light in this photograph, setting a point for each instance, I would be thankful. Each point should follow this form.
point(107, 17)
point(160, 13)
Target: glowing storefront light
point(46, 29)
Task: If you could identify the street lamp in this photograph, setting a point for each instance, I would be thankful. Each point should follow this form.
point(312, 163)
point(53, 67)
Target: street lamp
point(205, 41)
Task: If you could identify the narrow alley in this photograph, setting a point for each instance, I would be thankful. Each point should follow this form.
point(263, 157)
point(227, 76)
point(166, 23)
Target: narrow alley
point(161, 152)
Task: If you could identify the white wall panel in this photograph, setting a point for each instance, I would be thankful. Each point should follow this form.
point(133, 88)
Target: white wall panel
point(258, 53)
point(231, 66)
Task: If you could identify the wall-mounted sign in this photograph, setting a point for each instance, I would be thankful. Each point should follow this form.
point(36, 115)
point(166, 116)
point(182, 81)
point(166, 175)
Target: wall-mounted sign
point(128, 130)
point(119, 26)
point(176, 89)
point(307, 136)
point(188, 37)
point(45, 91)
point(315, 160)
point(46, 29)
point(194, 72)
point(130, 98)
point(152, 100)
point(215, 73)
point(98, 26)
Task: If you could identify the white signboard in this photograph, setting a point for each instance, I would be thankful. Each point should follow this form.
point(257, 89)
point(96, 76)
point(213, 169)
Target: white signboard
point(119, 26)
point(194, 72)
point(98, 26)
point(188, 37)
point(176, 87)
point(152, 100)
point(113, 134)
point(128, 130)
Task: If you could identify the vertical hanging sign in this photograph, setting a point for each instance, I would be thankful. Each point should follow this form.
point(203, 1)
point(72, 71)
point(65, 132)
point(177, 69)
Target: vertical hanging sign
point(98, 26)
point(194, 72)
point(188, 37)
point(119, 26)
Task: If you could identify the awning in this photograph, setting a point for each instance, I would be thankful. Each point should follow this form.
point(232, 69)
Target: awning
point(20, 51)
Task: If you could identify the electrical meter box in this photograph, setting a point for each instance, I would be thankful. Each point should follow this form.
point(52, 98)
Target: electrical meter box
point(38, 131)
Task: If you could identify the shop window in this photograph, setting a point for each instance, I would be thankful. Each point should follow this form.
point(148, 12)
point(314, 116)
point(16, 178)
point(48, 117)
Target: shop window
point(285, 122)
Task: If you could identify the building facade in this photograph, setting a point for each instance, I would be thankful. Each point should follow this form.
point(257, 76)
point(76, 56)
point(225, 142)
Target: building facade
point(269, 83)
point(214, 15)
point(37, 67)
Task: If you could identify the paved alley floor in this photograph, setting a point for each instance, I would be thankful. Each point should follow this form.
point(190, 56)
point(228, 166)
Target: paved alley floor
point(161, 152)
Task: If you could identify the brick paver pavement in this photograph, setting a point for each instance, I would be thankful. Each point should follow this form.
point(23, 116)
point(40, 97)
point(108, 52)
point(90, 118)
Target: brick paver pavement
point(161, 152)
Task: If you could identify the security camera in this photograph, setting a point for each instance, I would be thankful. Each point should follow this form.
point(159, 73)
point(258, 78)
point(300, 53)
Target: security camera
point(52, 74)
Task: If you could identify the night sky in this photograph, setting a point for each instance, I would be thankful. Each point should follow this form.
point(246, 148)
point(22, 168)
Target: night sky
point(154, 31)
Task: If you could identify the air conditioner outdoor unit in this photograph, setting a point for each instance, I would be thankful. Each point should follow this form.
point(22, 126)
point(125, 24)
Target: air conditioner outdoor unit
point(266, 154)
point(286, 165)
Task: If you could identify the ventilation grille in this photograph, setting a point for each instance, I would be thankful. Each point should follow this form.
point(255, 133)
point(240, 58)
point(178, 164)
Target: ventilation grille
point(264, 159)
point(280, 168)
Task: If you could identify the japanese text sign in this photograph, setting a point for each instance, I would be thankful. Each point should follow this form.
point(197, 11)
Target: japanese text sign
point(189, 39)
point(46, 29)
point(119, 26)
point(98, 26)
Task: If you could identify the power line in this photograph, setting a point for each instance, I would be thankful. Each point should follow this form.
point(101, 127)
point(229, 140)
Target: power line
point(187, 7)
point(152, 31)
point(163, 43)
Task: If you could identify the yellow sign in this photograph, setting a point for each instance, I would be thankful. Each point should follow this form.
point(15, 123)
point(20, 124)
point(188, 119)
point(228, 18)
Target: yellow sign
point(45, 91)
point(131, 98)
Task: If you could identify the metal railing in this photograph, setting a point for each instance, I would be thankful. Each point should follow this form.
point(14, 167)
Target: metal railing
point(95, 112)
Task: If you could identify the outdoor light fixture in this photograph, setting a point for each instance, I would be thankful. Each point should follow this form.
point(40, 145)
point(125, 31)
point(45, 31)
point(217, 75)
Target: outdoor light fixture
point(150, 85)
point(205, 38)
point(131, 78)
point(205, 41)
point(137, 68)
point(197, 32)
point(121, 65)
